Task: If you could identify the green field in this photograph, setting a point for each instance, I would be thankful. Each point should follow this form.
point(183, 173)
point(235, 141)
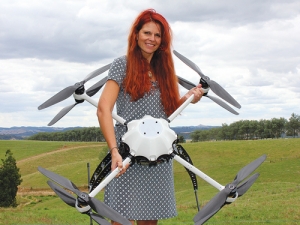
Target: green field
point(273, 199)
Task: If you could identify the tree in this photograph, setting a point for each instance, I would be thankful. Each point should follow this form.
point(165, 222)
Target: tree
point(278, 126)
point(181, 139)
point(195, 135)
point(293, 126)
point(10, 178)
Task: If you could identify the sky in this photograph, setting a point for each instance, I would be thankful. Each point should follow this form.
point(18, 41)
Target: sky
point(251, 48)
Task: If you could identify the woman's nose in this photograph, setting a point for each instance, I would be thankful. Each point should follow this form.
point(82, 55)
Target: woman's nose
point(152, 37)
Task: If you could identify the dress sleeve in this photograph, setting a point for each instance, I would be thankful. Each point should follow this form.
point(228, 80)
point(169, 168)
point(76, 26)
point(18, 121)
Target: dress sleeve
point(117, 70)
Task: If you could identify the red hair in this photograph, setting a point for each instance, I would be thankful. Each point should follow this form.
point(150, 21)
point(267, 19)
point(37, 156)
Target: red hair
point(137, 82)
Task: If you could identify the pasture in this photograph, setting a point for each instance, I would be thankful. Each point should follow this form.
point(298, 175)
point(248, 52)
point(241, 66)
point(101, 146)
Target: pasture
point(273, 199)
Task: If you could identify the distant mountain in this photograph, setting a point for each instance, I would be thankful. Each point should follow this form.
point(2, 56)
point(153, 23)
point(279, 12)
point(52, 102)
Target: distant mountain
point(187, 130)
point(20, 133)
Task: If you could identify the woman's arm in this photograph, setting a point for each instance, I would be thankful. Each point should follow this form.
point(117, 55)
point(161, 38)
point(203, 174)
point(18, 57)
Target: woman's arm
point(104, 112)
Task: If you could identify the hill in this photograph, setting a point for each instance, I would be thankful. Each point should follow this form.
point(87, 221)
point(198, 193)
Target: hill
point(185, 131)
point(22, 132)
point(274, 197)
point(19, 133)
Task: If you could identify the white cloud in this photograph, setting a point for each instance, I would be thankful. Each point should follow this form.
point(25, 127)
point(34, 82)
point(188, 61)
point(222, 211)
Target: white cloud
point(249, 48)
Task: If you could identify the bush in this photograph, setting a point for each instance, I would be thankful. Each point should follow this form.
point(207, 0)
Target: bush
point(10, 178)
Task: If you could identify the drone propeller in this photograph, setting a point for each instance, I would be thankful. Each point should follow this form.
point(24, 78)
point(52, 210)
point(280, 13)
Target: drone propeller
point(71, 201)
point(90, 92)
point(230, 190)
point(214, 86)
point(242, 188)
point(94, 203)
point(96, 87)
point(63, 194)
point(62, 113)
point(68, 91)
point(189, 85)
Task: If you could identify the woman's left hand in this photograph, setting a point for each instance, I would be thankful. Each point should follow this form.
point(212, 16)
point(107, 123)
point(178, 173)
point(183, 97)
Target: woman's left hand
point(197, 92)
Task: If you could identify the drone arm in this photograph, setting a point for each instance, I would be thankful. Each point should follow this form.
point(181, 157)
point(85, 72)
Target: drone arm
point(109, 178)
point(94, 103)
point(198, 172)
point(180, 108)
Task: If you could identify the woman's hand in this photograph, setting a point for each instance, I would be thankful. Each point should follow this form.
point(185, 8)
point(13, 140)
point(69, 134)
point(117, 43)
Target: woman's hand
point(197, 92)
point(117, 161)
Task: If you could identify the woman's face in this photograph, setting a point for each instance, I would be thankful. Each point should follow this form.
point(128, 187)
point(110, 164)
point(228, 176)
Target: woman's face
point(149, 39)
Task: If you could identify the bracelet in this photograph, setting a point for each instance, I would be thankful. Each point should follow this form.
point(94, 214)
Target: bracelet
point(113, 148)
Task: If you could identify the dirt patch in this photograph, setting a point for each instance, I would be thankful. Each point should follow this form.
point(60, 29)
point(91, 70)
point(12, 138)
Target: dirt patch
point(42, 191)
point(63, 149)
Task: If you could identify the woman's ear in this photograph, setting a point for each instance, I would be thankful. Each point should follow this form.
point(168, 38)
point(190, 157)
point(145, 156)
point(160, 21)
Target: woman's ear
point(137, 36)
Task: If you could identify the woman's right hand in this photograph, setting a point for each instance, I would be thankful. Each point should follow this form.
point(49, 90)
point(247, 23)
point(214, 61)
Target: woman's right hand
point(117, 162)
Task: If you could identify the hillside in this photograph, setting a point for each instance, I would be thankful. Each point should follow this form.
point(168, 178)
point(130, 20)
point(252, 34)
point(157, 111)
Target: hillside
point(185, 131)
point(22, 132)
point(273, 199)
point(19, 133)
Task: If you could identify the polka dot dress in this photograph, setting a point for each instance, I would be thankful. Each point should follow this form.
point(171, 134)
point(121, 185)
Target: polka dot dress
point(143, 192)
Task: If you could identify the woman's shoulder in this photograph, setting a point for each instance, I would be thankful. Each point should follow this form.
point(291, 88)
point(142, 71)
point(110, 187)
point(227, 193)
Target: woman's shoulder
point(119, 64)
point(117, 70)
point(121, 60)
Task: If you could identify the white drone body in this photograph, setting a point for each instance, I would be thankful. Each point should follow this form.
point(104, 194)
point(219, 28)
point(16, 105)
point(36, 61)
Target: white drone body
point(149, 137)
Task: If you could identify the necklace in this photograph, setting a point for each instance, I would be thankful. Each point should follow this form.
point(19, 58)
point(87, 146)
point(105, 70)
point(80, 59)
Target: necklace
point(150, 74)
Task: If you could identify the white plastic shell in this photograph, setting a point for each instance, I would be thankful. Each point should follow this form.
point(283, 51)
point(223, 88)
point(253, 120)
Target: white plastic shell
point(149, 137)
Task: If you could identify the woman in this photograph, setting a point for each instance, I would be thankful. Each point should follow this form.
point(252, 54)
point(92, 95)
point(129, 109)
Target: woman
point(142, 83)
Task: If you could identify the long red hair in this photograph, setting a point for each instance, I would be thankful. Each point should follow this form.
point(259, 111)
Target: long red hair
point(137, 82)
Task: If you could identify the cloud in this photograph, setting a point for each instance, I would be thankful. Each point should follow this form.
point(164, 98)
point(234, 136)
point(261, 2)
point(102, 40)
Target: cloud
point(250, 48)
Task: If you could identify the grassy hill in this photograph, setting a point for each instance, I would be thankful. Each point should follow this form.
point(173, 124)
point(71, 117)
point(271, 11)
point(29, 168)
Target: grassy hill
point(274, 198)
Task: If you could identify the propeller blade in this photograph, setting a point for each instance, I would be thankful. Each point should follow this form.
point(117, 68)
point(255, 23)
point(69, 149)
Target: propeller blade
point(185, 83)
point(205, 218)
point(60, 96)
point(68, 91)
point(219, 200)
point(189, 85)
point(71, 201)
point(243, 188)
point(222, 93)
point(61, 114)
point(99, 219)
point(212, 207)
point(189, 63)
point(96, 73)
point(96, 87)
point(60, 180)
point(215, 87)
point(247, 170)
point(222, 104)
point(106, 211)
point(63, 194)
point(94, 203)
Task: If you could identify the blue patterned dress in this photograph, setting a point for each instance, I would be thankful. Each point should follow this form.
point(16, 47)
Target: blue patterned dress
point(142, 192)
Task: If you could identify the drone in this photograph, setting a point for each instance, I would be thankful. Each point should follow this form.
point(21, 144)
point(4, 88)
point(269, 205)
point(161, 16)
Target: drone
point(147, 139)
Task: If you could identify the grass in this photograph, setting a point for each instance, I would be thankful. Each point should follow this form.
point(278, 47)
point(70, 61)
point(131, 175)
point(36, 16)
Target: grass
point(26, 149)
point(273, 199)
